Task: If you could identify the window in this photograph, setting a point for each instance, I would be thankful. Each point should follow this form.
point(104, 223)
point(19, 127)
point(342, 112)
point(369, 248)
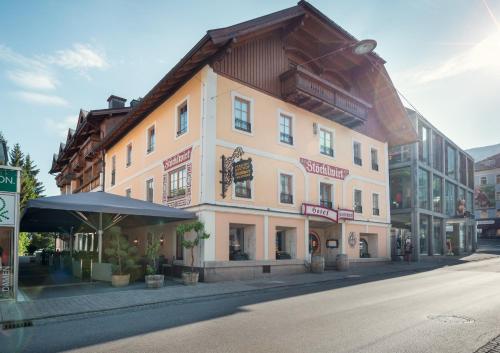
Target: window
point(437, 237)
point(149, 190)
point(285, 243)
point(399, 154)
point(470, 173)
point(498, 179)
point(468, 201)
point(326, 143)
point(451, 169)
point(286, 129)
point(463, 168)
point(450, 199)
point(113, 170)
point(423, 144)
point(129, 154)
point(242, 114)
point(177, 182)
point(400, 188)
point(425, 224)
point(326, 195)
point(179, 251)
point(484, 180)
point(237, 248)
point(374, 154)
point(423, 188)
point(437, 192)
point(128, 192)
point(358, 201)
point(376, 209)
point(437, 151)
point(286, 187)
point(151, 139)
point(497, 196)
point(182, 119)
point(356, 148)
point(243, 189)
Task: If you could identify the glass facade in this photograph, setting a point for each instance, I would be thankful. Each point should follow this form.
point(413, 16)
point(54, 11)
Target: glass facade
point(424, 233)
point(399, 154)
point(437, 239)
point(437, 194)
point(423, 145)
point(451, 168)
point(400, 188)
point(450, 199)
point(423, 188)
point(437, 151)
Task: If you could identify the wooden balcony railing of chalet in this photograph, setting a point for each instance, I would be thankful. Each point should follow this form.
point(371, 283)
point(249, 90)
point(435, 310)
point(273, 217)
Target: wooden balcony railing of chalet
point(88, 147)
point(89, 184)
point(76, 163)
point(320, 96)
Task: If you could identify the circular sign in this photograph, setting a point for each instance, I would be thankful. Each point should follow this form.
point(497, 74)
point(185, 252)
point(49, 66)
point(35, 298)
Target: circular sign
point(352, 239)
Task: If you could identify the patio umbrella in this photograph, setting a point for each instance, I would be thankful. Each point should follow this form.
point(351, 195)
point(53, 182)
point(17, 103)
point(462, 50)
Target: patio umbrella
point(65, 213)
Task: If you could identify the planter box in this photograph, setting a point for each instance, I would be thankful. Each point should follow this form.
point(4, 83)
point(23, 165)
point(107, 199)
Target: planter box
point(154, 281)
point(190, 278)
point(120, 280)
point(101, 271)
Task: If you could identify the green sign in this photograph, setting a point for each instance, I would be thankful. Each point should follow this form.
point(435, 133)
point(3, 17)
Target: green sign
point(8, 180)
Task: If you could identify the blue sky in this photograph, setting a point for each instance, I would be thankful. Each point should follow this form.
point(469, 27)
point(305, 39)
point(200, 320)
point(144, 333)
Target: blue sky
point(59, 56)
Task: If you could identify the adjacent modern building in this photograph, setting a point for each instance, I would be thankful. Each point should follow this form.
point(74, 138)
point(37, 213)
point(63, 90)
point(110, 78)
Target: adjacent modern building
point(432, 191)
point(487, 196)
point(276, 132)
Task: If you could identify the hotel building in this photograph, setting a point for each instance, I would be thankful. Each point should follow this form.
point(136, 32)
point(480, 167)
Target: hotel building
point(276, 133)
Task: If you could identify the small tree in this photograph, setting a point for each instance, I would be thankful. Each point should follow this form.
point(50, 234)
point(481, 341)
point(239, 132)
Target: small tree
point(152, 251)
point(199, 229)
point(122, 255)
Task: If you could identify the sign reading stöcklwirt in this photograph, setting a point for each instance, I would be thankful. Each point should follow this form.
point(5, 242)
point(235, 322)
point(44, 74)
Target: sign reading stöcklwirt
point(242, 170)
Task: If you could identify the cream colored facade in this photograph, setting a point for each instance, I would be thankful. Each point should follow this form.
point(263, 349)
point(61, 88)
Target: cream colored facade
point(210, 134)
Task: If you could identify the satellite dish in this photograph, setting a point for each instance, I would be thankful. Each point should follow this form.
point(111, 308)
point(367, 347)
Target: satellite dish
point(364, 46)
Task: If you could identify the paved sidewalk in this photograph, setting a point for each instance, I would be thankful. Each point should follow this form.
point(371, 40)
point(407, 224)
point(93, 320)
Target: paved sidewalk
point(92, 304)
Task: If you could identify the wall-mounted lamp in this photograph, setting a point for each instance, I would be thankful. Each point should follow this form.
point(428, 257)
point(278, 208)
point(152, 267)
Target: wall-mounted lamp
point(162, 241)
point(135, 241)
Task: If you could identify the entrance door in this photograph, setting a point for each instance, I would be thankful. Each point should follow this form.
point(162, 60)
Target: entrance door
point(363, 248)
point(314, 244)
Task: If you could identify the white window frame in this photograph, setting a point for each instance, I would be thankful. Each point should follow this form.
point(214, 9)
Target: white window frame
point(146, 188)
point(185, 100)
point(292, 127)
point(360, 152)
point(378, 204)
point(234, 95)
point(332, 193)
point(371, 159)
point(147, 139)
point(294, 198)
point(131, 153)
point(481, 180)
point(332, 132)
point(354, 200)
point(169, 172)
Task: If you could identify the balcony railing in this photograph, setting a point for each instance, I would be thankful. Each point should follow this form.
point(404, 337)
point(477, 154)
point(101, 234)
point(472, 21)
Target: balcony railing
point(285, 138)
point(301, 87)
point(375, 166)
point(358, 209)
point(326, 151)
point(325, 203)
point(242, 125)
point(89, 185)
point(89, 147)
point(286, 198)
point(358, 161)
point(376, 212)
point(177, 193)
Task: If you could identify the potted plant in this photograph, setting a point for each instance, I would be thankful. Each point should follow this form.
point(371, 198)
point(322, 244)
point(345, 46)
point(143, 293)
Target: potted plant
point(191, 277)
point(152, 278)
point(123, 258)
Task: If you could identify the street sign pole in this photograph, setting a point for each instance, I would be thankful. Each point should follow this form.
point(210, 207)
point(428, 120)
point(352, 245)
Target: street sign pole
point(10, 189)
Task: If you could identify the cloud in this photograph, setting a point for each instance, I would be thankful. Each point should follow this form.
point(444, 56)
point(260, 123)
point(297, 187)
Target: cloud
point(33, 79)
point(10, 56)
point(42, 99)
point(79, 57)
point(60, 127)
point(483, 55)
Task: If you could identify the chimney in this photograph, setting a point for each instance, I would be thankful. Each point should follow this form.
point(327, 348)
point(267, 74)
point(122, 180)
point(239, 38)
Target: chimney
point(134, 102)
point(116, 102)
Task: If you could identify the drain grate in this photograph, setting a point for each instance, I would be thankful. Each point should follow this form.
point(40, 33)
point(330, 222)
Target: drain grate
point(10, 325)
point(451, 319)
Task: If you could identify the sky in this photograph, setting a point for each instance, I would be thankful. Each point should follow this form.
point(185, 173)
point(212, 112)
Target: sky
point(59, 56)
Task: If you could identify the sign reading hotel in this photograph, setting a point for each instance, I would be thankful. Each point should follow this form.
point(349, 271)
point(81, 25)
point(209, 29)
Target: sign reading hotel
point(324, 169)
point(313, 210)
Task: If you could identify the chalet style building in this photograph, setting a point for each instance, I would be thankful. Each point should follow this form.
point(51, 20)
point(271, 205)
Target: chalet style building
point(276, 132)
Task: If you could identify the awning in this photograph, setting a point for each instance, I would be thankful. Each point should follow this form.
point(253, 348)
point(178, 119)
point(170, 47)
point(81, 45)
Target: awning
point(94, 211)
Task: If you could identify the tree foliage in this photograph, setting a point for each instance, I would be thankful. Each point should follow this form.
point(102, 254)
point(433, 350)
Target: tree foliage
point(121, 254)
point(199, 234)
point(24, 242)
point(152, 251)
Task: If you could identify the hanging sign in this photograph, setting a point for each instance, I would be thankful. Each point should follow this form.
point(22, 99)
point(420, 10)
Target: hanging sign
point(324, 169)
point(8, 180)
point(319, 211)
point(227, 169)
point(242, 170)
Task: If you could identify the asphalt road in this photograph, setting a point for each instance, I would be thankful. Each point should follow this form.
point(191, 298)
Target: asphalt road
point(453, 309)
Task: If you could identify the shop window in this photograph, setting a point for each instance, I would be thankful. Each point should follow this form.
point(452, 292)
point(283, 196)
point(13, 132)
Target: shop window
point(400, 188)
point(241, 242)
point(151, 139)
point(374, 155)
point(326, 195)
point(358, 201)
point(399, 154)
point(437, 151)
point(242, 114)
point(7, 263)
point(326, 143)
point(286, 129)
point(243, 189)
point(423, 144)
point(356, 151)
point(129, 154)
point(451, 169)
point(423, 188)
point(437, 237)
point(424, 233)
point(376, 207)
point(179, 250)
point(113, 170)
point(177, 182)
point(286, 189)
point(437, 194)
point(182, 119)
point(285, 244)
point(149, 190)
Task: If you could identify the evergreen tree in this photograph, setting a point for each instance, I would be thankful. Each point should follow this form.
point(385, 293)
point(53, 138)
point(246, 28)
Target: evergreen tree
point(16, 156)
point(32, 171)
point(28, 189)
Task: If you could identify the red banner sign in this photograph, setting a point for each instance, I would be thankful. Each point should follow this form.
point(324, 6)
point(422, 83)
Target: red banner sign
point(179, 158)
point(324, 169)
point(313, 210)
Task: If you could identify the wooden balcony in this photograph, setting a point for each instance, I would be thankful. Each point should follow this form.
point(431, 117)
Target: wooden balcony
point(89, 147)
point(76, 163)
point(315, 94)
point(89, 185)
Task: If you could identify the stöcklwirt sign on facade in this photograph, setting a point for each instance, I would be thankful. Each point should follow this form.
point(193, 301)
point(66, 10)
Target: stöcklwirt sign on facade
point(324, 169)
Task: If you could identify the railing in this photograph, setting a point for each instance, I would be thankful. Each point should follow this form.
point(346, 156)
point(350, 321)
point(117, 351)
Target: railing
point(325, 203)
point(312, 85)
point(89, 146)
point(326, 151)
point(242, 125)
point(375, 166)
point(376, 212)
point(89, 185)
point(177, 193)
point(285, 138)
point(358, 209)
point(76, 163)
point(358, 161)
point(286, 198)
